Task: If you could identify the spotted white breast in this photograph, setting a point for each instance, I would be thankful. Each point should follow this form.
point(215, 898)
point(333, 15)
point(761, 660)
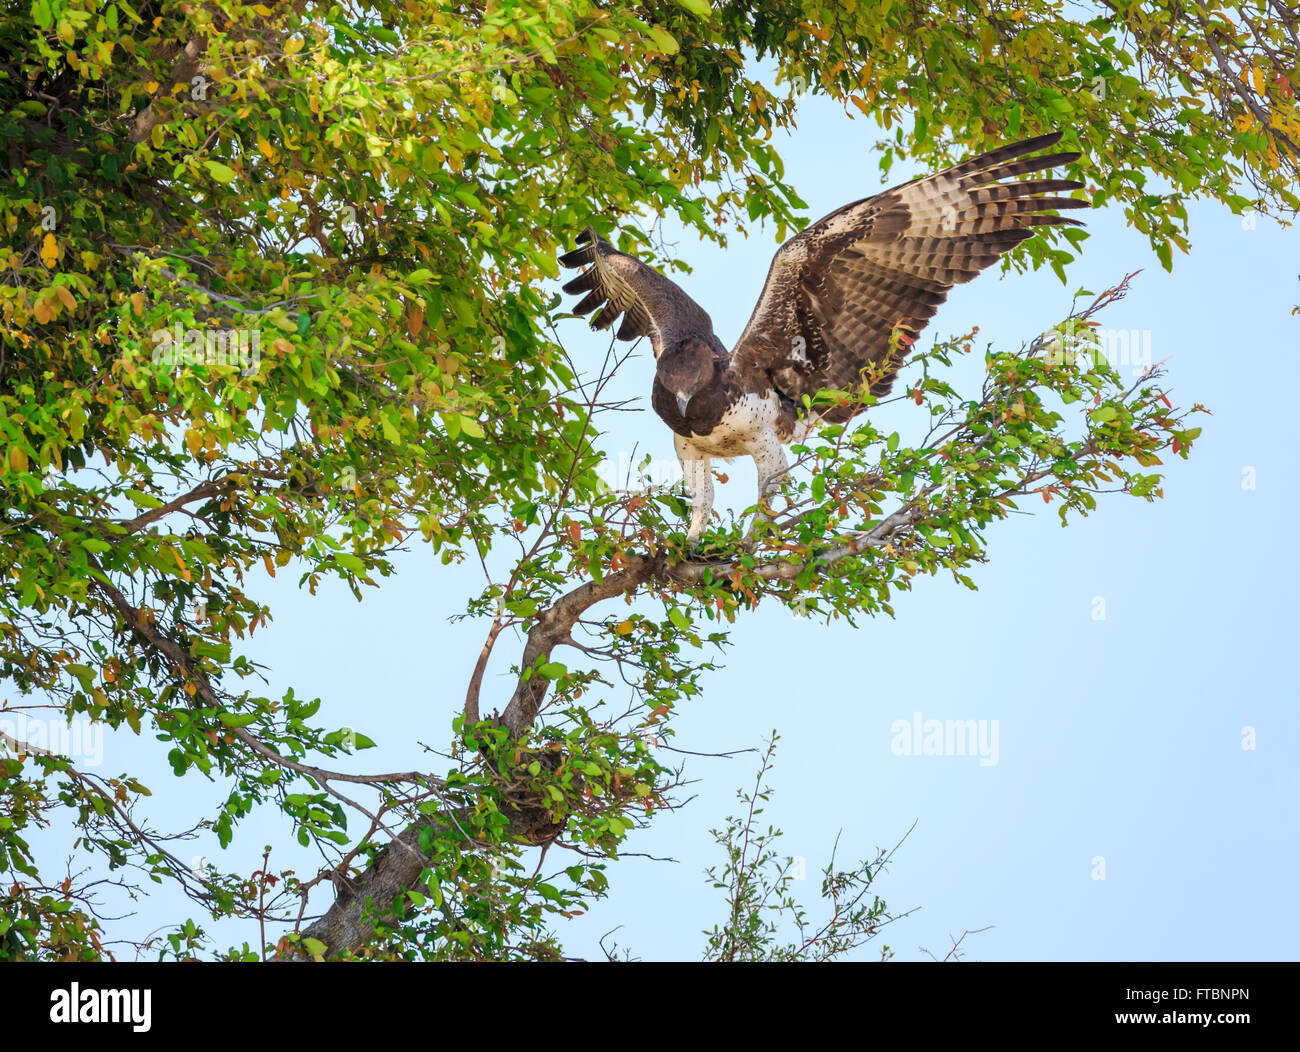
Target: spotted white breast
point(750, 424)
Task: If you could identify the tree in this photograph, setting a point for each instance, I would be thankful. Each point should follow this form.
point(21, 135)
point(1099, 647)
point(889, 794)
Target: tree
point(281, 270)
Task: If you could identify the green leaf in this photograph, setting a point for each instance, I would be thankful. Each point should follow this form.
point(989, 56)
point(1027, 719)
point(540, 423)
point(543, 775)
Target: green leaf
point(220, 172)
point(85, 675)
point(664, 41)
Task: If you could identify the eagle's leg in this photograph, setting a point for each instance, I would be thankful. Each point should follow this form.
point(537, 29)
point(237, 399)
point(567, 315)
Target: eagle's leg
point(772, 466)
point(699, 484)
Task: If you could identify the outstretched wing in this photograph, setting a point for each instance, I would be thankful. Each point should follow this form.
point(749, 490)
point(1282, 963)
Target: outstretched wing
point(836, 292)
point(651, 305)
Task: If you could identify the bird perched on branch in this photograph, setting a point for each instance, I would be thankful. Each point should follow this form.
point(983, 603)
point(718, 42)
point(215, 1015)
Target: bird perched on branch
point(843, 303)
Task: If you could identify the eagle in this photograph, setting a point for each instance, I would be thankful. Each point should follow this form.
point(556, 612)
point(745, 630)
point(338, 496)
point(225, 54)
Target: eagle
point(843, 303)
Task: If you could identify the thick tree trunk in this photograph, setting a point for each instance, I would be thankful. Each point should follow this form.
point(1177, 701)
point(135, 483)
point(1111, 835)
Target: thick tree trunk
point(397, 868)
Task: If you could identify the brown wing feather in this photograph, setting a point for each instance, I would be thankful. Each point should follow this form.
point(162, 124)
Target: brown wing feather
point(837, 292)
point(618, 283)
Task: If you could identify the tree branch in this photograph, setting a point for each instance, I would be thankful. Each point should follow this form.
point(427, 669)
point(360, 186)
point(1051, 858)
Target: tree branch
point(188, 63)
point(552, 628)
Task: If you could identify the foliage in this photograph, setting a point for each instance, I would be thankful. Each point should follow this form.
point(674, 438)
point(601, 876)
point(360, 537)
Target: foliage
point(759, 886)
point(371, 199)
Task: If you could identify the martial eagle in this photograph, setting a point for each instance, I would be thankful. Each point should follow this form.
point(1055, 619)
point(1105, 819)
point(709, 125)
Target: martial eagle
point(843, 302)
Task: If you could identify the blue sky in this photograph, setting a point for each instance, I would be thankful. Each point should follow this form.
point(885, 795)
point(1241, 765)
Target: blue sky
point(1118, 738)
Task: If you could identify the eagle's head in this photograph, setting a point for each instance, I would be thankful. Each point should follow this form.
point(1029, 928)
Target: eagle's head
point(686, 367)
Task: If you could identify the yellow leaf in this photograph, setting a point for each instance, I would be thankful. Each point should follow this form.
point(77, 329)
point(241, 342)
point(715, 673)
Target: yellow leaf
point(17, 459)
point(293, 45)
point(65, 294)
point(1257, 75)
point(623, 628)
point(49, 251)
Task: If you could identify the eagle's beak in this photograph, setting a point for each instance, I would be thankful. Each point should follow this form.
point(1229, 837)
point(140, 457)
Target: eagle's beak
point(683, 400)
